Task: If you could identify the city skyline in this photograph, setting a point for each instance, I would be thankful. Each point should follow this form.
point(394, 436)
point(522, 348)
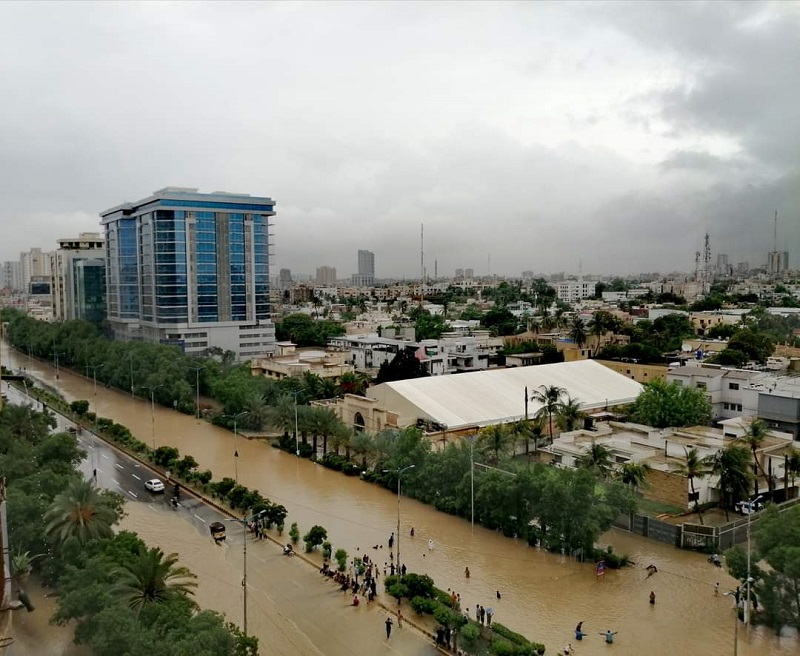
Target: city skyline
point(549, 137)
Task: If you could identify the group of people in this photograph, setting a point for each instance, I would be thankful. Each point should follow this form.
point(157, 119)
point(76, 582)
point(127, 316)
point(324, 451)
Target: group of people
point(580, 634)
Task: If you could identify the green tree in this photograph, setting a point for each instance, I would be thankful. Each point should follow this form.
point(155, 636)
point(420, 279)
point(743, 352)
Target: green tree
point(755, 345)
point(569, 414)
point(404, 365)
point(497, 438)
point(316, 536)
point(754, 438)
point(732, 466)
point(597, 458)
point(154, 577)
point(633, 474)
point(500, 321)
point(663, 404)
point(578, 332)
point(693, 468)
point(82, 512)
point(550, 398)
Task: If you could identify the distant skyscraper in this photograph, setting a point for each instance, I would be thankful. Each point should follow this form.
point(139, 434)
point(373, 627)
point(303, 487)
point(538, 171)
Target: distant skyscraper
point(326, 276)
point(366, 270)
point(285, 278)
point(459, 273)
point(777, 262)
point(191, 269)
point(469, 273)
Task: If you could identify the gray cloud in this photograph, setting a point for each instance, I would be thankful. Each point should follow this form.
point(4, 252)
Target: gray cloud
point(540, 134)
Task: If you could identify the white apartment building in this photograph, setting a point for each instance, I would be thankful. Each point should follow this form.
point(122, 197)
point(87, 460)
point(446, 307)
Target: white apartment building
point(444, 356)
point(570, 291)
point(78, 278)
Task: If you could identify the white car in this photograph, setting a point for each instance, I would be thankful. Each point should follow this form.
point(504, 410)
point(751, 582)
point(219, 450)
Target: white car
point(154, 485)
point(749, 507)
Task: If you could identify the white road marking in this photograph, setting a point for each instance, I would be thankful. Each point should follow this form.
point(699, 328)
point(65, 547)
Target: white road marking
point(116, 464)
point(104, 455)
point(136, 477)
point(116, 481)
point(152, 508)
point(135, 496)
point(201, 519)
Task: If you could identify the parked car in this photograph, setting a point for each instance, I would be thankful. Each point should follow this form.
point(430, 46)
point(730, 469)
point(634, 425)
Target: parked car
point(749, 507)
point(154, 485)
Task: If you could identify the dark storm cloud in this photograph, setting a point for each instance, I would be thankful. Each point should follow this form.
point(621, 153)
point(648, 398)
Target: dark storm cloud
point(542, 135)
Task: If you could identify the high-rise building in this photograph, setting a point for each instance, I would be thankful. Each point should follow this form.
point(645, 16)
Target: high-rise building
point(191, 269)
point(78, 278)
point(326, 276)
point(777, 262)
point(11, 276)
point(469, 273)
point(285, 278)
point(34, 264)
point(366, 270)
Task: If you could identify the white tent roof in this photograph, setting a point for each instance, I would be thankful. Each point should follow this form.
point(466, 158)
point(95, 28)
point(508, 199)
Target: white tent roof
point(483, 398)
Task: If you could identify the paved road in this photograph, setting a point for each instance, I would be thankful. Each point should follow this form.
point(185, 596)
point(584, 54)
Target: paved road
point(292, 609)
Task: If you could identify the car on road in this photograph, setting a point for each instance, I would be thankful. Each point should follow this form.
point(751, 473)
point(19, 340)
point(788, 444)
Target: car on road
point(749, 507)
point(154, 485)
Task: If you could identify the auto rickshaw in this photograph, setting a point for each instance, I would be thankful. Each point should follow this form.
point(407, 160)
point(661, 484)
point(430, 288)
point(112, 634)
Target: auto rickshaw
point(217, 531)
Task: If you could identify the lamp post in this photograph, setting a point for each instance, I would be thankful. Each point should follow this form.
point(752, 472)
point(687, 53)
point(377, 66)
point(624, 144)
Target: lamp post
point(244, 521)
point(130, 357)
point(399, 473)
point(197, 390)
point(94, 375)
point(56, 355)
point(235, 418)
point(296, 433)
point(751, 509)
point(152, 389)
point(472, 480)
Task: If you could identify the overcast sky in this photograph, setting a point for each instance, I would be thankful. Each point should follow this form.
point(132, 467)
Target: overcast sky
point(540, 136)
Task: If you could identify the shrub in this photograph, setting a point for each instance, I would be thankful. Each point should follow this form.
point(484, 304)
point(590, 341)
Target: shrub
point(204, 477)
point(419, 585)
point(448, 617)
point(443, 598)
point(315, 537)
point(327, 549)
point(237, 496)
point(294, 533)
point(422, 605)
point(341, 559)
point(184, 466)
point(306, 450)
point(398, 591)
point(280, 528)
point(502, 647)
point(165, 456)
point(469, 634)
point(221, 488)
point(80, 407)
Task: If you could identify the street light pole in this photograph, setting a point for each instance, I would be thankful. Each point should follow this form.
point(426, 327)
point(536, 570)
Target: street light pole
point(94, 372)
point(130, 357)
point(472, 480)
point(152, 389)
point(235, 418)
point(751, 509)
point(56, 356)
point(244, 521)
point(399, 473)
point(197, 390)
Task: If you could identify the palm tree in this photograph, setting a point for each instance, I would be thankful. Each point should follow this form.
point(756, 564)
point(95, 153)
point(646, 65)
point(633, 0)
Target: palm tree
point(597, 459)
point(281, 415)
point(497, 438)
point(82, 512)
point(550, 398)
point(153, 578)
point(633, 474)
point(793, 463)
point(258, 410)
point(569, 414)
point(597, 329)
point(534, 325)
point(577, 332)
point(312, 384)
point(732, 465)
point(754, 437)
point(363, 444)
point(694, 467)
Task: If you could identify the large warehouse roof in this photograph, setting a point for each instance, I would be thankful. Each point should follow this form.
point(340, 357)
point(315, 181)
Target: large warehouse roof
point(483, 398)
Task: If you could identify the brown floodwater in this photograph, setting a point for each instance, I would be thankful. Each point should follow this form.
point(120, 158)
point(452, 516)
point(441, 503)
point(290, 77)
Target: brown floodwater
point(543, 595)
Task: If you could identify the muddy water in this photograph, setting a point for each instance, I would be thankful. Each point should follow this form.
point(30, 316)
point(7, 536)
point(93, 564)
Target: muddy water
point(543, 595)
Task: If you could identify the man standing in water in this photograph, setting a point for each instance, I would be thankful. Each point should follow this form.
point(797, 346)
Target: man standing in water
point(609, 636)
point(388, 627)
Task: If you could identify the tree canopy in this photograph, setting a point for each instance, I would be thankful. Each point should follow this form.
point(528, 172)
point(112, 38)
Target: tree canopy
point(663, 404)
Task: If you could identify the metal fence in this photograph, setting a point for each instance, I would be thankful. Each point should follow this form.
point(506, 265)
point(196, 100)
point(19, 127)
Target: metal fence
point(650, 527)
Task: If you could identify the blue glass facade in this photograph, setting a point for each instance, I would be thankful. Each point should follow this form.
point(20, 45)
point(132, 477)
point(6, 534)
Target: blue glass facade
point(181, 258)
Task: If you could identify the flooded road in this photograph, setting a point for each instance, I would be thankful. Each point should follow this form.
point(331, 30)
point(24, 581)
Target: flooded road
point(543, 595)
